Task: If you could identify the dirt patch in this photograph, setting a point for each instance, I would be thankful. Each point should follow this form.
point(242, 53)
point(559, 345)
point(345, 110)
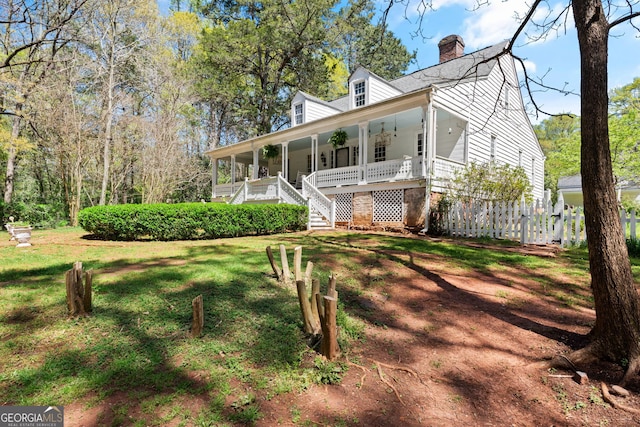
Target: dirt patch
point(443, 347)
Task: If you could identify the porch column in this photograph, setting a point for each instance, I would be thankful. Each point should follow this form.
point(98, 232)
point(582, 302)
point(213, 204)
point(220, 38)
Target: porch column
point(363, 144)
point(285, 160)
point(232, 173)
point(214, 177)
point(431, 138)
point(256, 162)
point(425, 135)
point(314, 152)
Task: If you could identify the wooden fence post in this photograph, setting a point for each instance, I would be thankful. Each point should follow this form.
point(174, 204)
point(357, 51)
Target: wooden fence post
point(197, 324)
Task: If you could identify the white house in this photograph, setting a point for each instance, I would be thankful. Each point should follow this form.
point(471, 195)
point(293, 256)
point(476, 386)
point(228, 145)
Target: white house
point(570, 187)
point(404, 140)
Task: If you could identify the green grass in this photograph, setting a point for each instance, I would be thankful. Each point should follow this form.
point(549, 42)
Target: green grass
point(136, 342)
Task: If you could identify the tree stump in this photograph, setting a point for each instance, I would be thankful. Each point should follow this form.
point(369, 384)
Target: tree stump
point(330, 347)
point(297, 263)
point(78, 293)
point(272, 261)
point(286, 273)
point(198, 317)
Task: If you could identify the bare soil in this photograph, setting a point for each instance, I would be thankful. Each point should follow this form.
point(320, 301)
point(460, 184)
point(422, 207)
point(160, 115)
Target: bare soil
point(450, 348)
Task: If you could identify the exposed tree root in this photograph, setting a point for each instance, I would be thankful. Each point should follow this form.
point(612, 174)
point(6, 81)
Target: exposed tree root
point(399, 368)
point(589, 355)
point(611, 401)
point(359, 367)
point(632, 370)
point(384, 380)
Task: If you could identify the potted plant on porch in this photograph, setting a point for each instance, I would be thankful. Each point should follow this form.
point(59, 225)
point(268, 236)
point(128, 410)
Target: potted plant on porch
point(338, 138)
point(270, 151)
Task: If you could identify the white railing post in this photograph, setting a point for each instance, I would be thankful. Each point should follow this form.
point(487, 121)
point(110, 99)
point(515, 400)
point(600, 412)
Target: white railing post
point(278, 186)
point(308, 214)
point(333, 213)
point(246, 188)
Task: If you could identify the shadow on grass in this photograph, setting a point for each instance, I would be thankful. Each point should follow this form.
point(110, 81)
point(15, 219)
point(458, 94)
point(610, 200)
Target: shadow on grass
point(137, 342)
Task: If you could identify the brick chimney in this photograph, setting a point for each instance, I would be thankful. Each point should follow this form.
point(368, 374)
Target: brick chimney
point(451, 47)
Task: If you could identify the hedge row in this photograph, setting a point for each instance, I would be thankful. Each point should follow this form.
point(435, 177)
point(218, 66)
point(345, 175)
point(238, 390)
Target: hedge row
point(187, 221)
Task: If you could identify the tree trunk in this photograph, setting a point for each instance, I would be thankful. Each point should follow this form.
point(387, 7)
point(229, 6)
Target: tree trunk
point(107, 127)
point(616, 334)
point(12, 155)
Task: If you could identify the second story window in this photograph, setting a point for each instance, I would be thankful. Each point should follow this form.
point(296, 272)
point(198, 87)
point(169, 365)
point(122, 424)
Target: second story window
point(420, 144)
point(298, 114)
point(359, 93)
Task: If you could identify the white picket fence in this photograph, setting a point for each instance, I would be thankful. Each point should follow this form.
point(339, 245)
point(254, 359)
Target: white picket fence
point(537, 223)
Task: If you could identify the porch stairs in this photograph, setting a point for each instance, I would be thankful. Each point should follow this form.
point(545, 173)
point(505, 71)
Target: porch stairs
point(278, 190)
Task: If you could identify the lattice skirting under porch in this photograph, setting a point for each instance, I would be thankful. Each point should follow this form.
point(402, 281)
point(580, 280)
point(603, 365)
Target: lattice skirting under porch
point(344, 207)
point(388, 206)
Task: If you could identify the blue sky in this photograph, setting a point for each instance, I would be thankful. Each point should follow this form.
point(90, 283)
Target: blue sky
point(555, 60)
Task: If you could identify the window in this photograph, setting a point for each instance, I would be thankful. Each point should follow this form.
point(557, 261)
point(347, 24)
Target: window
point(298, 114)
point(356, 156)
point(380, 152)
point(359, 93)
point(308, 163)
point(420, 144)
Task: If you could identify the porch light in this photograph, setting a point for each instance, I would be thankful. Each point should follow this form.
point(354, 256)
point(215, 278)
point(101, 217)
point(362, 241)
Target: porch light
point(383, 138)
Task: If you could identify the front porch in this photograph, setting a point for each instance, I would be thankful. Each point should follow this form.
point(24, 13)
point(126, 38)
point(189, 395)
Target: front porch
point(418, 144)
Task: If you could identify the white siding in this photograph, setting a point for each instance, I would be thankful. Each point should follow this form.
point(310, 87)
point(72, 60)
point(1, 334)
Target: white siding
point(314, 111)
point(483, 102)
point(379, 90)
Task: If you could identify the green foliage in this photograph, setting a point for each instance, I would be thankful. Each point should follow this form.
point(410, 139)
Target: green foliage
point(559, 137)
point(190, 220)
point(328, 372)
point(633, 246)
point(489, 181)
point(338, 138)
point(361, 43)
point(270, 151)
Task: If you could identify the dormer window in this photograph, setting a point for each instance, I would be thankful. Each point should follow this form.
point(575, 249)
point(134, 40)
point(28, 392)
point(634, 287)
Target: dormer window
point(298, 115)
point(359, 93)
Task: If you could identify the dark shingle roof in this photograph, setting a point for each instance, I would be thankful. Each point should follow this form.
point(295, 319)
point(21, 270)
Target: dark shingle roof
point(465, 67)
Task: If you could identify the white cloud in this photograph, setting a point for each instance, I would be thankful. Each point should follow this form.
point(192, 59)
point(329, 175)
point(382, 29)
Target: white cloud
point(493, 23)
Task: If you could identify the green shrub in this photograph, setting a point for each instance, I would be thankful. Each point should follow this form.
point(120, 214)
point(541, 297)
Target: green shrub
point(186, 221)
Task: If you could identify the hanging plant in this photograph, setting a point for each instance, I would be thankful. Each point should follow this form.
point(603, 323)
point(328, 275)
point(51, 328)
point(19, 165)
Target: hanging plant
point(339, 138)
point(270, 151)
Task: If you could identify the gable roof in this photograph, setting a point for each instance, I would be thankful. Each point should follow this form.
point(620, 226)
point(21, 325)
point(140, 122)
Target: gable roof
point(465, 67)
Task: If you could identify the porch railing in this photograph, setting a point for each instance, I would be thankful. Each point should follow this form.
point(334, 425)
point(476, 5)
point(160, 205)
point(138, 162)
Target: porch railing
point(268, 189)
point(224, 190)
point(445, 169)
point(349, 175)
point(395, 170)
point(318, 201)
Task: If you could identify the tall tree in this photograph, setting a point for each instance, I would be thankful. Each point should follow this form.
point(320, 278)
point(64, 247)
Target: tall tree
point(115, 35)
point(31, 32)
point(260, 53)
point(616, 333)
point(362, 40)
